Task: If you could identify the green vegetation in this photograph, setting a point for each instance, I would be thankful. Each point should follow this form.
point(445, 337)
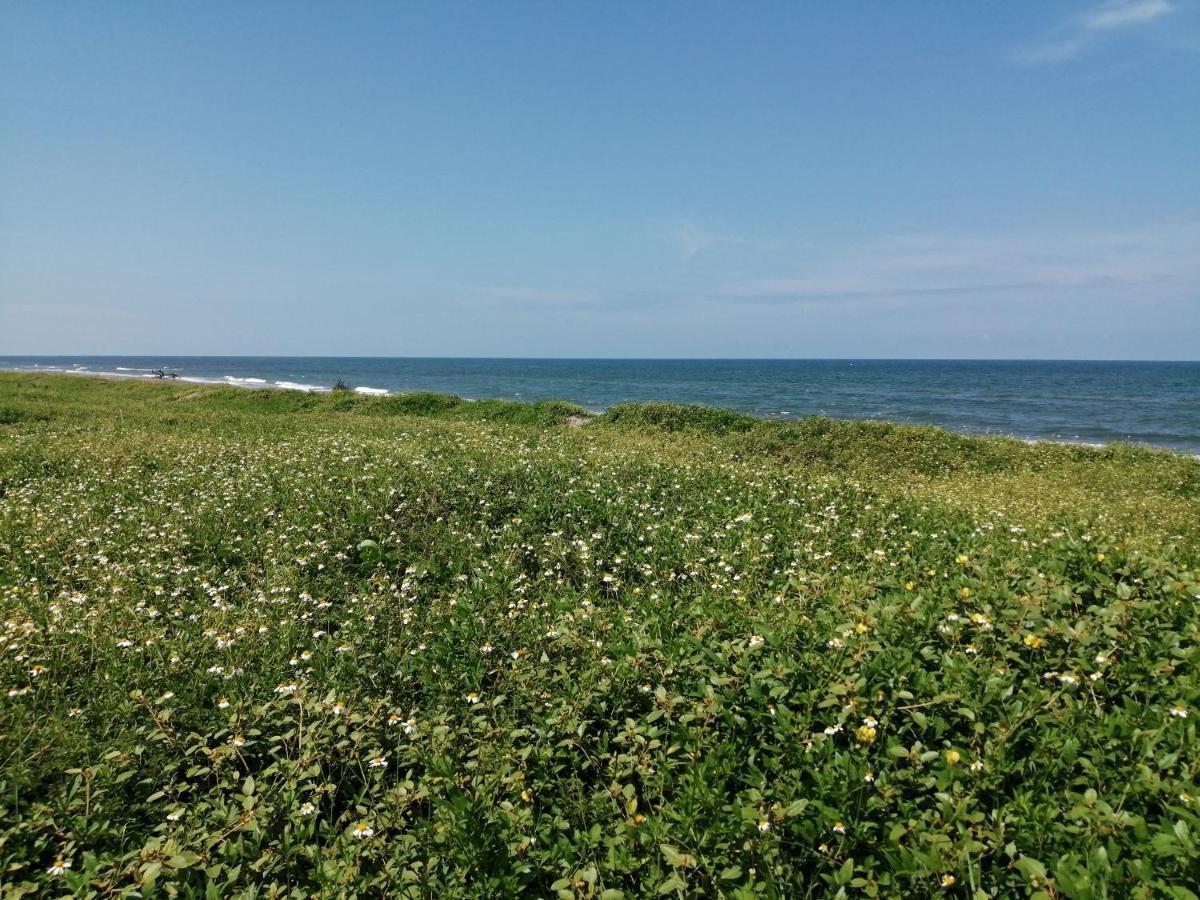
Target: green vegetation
point(263, 644)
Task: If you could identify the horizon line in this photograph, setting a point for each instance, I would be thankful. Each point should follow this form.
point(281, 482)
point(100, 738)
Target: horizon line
point(600, 358)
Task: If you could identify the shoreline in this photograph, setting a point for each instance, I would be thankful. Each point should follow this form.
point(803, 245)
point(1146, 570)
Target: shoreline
point(228, 381)
point(145, 376)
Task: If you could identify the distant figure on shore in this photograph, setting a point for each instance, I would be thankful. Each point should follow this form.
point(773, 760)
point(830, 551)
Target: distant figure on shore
point(159, 373)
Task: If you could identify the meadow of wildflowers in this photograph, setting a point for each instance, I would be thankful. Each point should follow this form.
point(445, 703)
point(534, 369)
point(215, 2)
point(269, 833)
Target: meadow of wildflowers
point(267, 644)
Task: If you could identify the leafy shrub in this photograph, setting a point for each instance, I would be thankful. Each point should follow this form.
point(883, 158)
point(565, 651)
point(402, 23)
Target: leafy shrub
point(448, 654)
point(674, 417)
point(420, 403)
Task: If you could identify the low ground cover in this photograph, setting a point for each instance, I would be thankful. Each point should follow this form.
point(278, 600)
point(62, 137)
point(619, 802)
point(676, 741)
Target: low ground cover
point(274, 644)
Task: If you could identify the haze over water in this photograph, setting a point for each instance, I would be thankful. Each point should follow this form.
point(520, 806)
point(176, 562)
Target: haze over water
point(1154, 403)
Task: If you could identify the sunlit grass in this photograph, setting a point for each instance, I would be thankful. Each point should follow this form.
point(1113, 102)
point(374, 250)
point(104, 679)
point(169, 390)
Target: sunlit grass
point(268, 643)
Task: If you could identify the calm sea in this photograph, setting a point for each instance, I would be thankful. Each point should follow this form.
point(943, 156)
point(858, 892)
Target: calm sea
point(1154, 403)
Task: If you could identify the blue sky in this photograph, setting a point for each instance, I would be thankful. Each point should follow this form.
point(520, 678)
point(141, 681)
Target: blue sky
point(587, 179)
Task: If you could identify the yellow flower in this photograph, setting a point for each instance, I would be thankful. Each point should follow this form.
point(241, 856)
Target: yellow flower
point(961, 559)
point(952, 757)
point(1100, 557)
point(948, 881)
point(865, 734)
point(964, 592)
point(861, 628)
point(909, 585)
point(1032, 640)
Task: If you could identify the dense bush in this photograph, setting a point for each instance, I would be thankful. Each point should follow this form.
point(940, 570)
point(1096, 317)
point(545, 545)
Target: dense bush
point(415, 654)
point(672, 417)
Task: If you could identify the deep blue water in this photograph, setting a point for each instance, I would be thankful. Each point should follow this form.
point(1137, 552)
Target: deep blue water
point(1154, 403)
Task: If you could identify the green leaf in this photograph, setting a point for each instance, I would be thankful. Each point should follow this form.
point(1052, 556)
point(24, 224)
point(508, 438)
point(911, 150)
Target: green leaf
point(795, 808)
point(846, 872)
point(1031, 868)
point(672, 883)
point(674, 857)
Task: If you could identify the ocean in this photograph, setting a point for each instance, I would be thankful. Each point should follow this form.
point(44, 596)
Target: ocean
point(1154, 403)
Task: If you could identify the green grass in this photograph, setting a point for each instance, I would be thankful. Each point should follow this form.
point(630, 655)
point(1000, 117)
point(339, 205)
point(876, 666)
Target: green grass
point(672, 652)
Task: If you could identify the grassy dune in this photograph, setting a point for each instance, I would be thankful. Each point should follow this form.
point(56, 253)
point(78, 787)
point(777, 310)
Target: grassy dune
point(263, 643)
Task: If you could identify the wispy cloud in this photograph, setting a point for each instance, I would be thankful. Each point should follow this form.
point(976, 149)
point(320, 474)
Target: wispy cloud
point(1078, 34)
point(693, 238)
point(909, 271)
point(933, 265)
point(1123, 13)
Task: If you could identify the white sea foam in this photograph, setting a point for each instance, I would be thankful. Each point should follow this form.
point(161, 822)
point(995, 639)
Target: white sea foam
point(296, 386)
point(195, 379)
point(230, 380)
point(375, 392)
point(1054, 440)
